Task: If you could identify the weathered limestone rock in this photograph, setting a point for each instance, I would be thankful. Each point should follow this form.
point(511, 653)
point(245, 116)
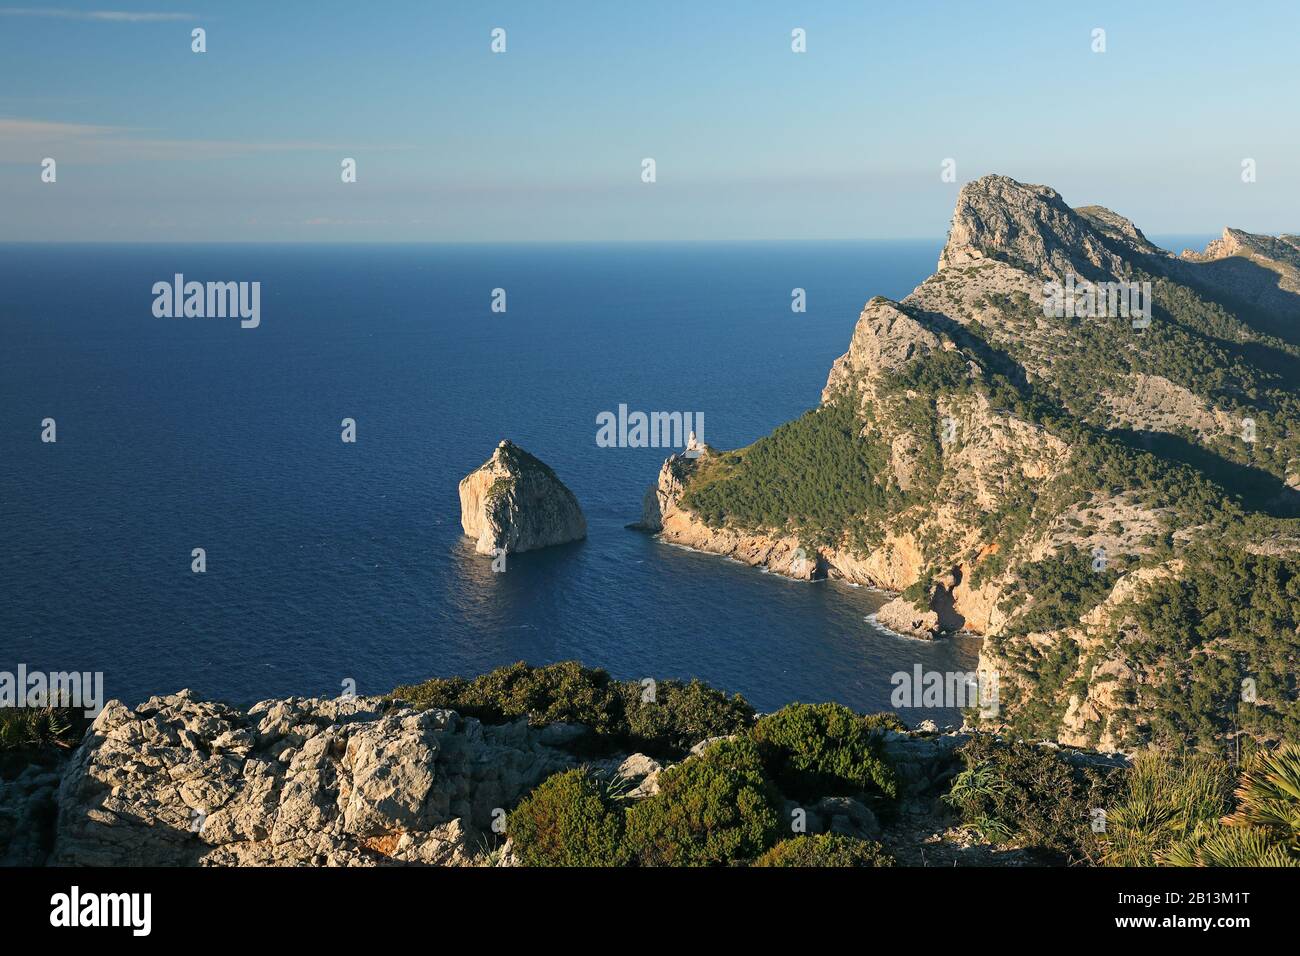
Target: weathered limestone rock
point(662, 497)
point(355, 781)
point(904, 617)
point(514, 502)
point(847, 817)
point(1033, 228)
point(643, 772)
point(885, 339)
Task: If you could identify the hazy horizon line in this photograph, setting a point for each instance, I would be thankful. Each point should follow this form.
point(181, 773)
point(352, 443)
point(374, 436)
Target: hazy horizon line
point(516, 242)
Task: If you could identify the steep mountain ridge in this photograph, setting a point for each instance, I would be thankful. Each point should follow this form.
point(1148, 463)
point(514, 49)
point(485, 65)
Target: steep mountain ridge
point(1032, 228)
point(1011, 467)
point(1260, 272)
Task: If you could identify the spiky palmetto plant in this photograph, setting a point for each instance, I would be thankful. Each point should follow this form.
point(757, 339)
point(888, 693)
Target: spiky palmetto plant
point(972, 791)
point(34, 727)
point(613, 785)
point(1167, 799)
point(1269, 794)
point(1230, 846)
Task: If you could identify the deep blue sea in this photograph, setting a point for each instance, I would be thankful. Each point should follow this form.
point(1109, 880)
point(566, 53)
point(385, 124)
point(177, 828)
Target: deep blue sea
point(329, 561)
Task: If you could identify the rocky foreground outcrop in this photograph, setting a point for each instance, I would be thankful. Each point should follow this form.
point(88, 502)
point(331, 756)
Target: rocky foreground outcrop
point(514, 502)
point(180, 781)
point(354, 781)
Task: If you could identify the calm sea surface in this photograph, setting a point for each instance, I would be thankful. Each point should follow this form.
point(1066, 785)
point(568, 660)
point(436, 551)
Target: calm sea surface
point(328, 561)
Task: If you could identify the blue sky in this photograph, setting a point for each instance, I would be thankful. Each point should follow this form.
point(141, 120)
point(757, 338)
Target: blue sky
point(545, 142)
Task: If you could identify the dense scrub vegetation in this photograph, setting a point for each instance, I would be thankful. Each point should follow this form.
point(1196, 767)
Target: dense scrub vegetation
point(728, 804)
point(812, 750)
point(1059, 590)
point(815, 475)
point(1166, 800)
point(1216, 645)
point(1168, 808)
point(570, 820)
point(1224, 638)
point(731, 803)
point(826, 849)
point(1172, 811)
point(723, 806)
point(663, 719)
point(719, 808)
point(1021, 794)
point(713, 810)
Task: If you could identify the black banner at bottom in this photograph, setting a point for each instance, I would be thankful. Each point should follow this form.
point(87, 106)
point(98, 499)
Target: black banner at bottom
point(305, 905)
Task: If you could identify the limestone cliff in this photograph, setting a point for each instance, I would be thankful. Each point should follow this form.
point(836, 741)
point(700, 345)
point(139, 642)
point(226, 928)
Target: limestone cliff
point(994, 443)
point(514, 502)
point(1259, 271)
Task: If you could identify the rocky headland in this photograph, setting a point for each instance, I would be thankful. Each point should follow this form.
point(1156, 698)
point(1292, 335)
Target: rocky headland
point(1050, 481)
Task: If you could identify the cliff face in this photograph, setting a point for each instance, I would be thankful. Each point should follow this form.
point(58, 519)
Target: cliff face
point(1262, 272)
point(513, 502)
point(997, 444)
point(1032, 228)
point(662, 514)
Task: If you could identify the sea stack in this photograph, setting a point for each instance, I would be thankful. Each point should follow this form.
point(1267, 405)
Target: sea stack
point(514, 502)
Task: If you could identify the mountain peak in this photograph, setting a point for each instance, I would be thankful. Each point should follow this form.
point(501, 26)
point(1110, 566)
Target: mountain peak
point(1031, 227)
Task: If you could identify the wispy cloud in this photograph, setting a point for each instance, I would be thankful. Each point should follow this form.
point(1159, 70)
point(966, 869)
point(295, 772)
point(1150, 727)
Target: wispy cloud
point(21, 139)
point(107, 16)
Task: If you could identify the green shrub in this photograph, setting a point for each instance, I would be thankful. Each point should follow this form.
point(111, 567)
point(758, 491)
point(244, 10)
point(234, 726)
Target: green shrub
point(1264, 830)
point(680, 716)
point(566, 692)
point(1029, 796)
point(1166, 799)
point(569, 820)
point(814, 750)
point(885, 720)
point(826, 849)
point(711, 810)
point(978, 793)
